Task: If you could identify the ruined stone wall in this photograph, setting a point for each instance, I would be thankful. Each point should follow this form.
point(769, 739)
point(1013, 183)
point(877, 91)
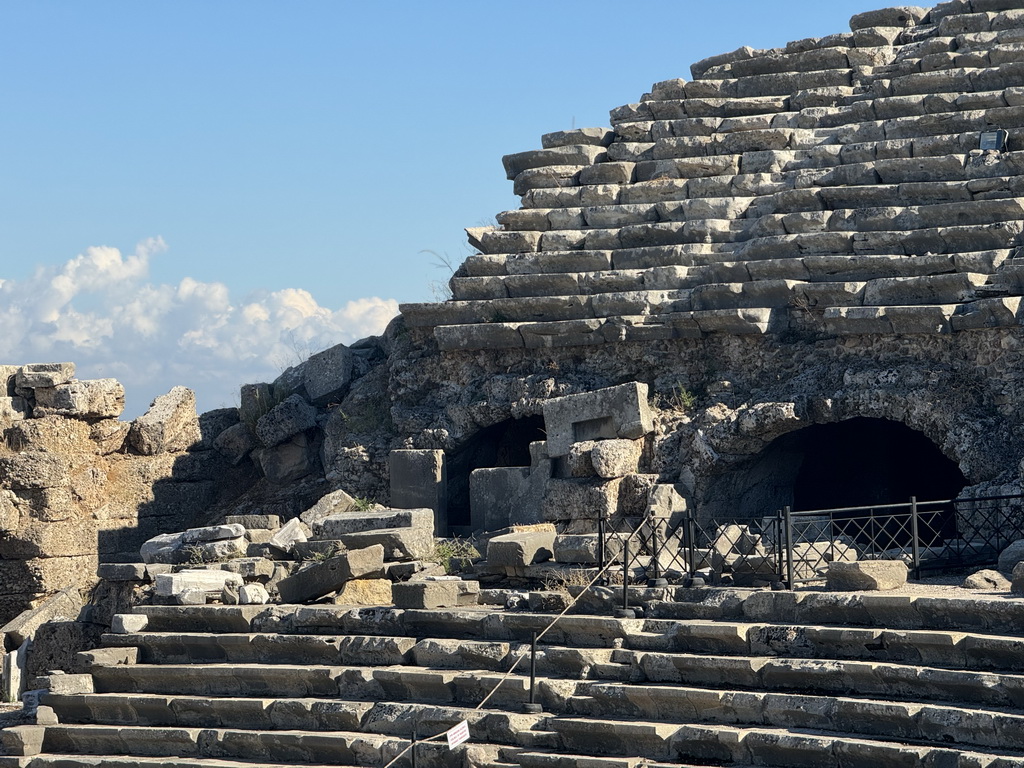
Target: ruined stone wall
point(79, 486)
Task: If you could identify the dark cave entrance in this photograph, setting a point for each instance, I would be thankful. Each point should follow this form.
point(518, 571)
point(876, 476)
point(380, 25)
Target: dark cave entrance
point(855, 463)
point(506, 444)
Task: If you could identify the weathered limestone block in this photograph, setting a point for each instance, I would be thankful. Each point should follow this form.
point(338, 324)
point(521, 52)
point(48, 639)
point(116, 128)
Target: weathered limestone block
point(565, 155)
point(335, 502)
point(260, 521)
point(579, 499)
point(357, 521)
point(44, 375)
point(128, 623)
point(327, 375)
point(253, 594)
point(419, 480)
point(442, 592)
point(291, 533)
point(288, 418)
point(581, 549)
point(93, 399)
point(866, 575)
point(365, 592)
point(13, 409)
point(32, 470)
point(398, 543)
point(288, 461)
point(520, 549)
point(209, 581)
point(1010, 556)
point(66, 604)
point(901, 16)
point(986, 313)
point(171, 424)
point(235, 443)
point(613, 412)
point(988, 580)
point(494, 494)
point(932, 289)
point(920, 319)
point(616, 458)
point(489, 336)
point(319, 579)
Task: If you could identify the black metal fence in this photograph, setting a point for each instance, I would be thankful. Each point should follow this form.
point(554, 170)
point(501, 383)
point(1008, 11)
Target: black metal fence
point(793, 547)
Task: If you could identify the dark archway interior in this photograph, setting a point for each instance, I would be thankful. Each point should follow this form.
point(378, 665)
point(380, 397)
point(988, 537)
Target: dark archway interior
point(858, 462)
point(502, 445)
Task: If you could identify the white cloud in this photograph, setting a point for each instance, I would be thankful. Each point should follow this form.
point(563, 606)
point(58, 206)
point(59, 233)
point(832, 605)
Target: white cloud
point(100, 311)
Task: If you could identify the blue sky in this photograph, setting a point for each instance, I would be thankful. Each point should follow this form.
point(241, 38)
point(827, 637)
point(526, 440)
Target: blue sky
point(199, 193)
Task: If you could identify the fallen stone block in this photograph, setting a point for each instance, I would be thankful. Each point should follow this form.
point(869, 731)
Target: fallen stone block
point(13, 409)
point(335, 502)
point(398, 543)
point(212, 533)
point(520, 549)
point(419, 480)
point(291, 533)
point(235, 443)
point(22, 740)
point(614, 412)
point(494, 492)
point(171, 424)
point(44, 375)
point(866, 575)
point(326, 375)
point(1010, 556)
point(988, 580)
point(1017, 584)
point(122, 572)
point(365, 592)
point(581, 549)
point(442, 592)
point(253, 594)
point(65, 604)
point(97, 399)
point(580, 499)
point(288, 418)
point(319, 579)
point(208, 581)
point(293, 459)
point(338, 525)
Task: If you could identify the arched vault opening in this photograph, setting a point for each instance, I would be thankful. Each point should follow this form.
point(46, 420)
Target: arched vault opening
point(506, 444)
point(857, 462)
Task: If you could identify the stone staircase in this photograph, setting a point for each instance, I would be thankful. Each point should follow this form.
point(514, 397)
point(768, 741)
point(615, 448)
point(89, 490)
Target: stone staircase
point(837, 185)
point(708, 677)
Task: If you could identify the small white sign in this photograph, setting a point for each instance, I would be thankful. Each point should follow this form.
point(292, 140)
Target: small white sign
point(458, 734)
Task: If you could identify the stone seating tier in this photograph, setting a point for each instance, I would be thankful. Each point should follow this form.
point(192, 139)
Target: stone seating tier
point(859, 144)
point(710, 677)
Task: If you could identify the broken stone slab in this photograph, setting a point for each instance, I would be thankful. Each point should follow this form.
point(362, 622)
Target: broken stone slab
point(212, 533)
point(171, 424)
point(987, 579)
point(327, 375)
point(566, 155)
point(65, 604)
point(122, 572)
point(203, 580)
point(44, 375)
point(613, 412)
point(338, 525)
point(288, 418)
point(419, 479)
point(235, 443)
point(866, 575)
point(319, 579)
point(254, 521)
point(94, 399)
point(291, 532)
point(616, 458)
point(520, 549)
point(335, 502)
point(398, 543)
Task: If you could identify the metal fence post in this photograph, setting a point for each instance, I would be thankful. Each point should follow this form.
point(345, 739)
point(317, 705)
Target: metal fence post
point(656, 545)
point(780, 551)
point(915, 543)
point(532, 707)
point(625, 574)
point(788, 520)
point(690, 534)
point(412, 745)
